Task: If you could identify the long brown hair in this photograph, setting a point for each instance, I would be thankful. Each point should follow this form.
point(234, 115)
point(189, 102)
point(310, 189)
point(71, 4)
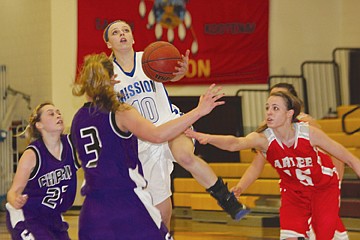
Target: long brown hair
point(94, 80)
point(291, 102)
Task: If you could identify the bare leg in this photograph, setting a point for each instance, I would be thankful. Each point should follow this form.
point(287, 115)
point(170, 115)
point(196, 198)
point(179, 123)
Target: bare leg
point(165, 208)
point(182, 149)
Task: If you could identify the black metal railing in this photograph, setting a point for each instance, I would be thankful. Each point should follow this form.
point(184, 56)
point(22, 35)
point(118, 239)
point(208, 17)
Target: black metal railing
point(322, 85)
point(253, 107)
point(346, 116)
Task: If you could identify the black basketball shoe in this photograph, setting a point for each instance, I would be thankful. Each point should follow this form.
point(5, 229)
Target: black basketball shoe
point(227, 200)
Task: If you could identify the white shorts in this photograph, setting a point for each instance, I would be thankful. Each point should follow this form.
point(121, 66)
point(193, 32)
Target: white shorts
point(157, 162)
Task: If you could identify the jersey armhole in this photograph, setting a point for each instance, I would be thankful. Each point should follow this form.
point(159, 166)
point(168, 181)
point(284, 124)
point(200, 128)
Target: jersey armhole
point(37, 164)
point(117, 129)
point(73, 151)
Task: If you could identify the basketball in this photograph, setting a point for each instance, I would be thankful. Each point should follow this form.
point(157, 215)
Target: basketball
point(159, 61)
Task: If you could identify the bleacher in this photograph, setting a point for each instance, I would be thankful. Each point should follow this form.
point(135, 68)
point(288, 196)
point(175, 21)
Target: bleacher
point(263, 197)
point(350, 187)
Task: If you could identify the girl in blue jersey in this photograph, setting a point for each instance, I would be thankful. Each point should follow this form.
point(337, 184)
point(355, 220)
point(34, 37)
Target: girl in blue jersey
point(44, 185)
point(117, 204)
point(151, 100)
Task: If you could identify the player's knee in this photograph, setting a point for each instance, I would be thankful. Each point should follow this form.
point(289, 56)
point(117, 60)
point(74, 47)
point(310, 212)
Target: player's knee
point(185, 159)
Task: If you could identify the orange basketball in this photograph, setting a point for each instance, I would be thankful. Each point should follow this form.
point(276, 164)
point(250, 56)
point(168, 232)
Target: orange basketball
point(159, 61)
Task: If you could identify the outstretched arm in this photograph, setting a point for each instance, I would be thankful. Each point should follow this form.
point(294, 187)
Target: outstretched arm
point(131, 120)
point(312, 122)
point(251, 174)
point(229, 142)
point(320, 139)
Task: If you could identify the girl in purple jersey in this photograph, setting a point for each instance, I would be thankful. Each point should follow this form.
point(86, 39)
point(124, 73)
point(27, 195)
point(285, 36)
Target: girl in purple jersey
point(117, 204)
point(44, 185)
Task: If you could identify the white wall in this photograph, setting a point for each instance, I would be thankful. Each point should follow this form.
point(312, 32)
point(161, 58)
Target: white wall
point(303, 30)
point(38, 43)
point(63, 56)
point(25, 49)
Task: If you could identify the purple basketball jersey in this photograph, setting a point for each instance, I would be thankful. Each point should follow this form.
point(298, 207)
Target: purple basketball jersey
point(116, 205)
point(51, 189)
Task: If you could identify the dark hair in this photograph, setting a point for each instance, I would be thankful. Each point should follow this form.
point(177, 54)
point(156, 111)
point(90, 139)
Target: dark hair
point(287, 86)
point(290, 88)
point(291, 102)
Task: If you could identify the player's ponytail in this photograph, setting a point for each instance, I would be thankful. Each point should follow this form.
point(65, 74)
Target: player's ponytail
point(94, 80)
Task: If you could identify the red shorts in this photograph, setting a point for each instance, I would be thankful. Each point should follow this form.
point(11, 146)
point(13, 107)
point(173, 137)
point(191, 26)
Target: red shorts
point(340, 233)
point(319, 207)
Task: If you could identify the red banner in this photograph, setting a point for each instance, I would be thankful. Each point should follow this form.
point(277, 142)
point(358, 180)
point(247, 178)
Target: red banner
point(228, 39)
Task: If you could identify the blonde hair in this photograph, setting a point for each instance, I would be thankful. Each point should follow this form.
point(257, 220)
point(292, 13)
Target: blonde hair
point(31, 132)
point(94, 79)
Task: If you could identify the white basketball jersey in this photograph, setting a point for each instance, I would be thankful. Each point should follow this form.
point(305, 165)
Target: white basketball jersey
point(150, 98)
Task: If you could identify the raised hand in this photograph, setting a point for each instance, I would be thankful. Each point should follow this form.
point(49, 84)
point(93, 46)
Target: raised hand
point(208, 101)
point(183, 67)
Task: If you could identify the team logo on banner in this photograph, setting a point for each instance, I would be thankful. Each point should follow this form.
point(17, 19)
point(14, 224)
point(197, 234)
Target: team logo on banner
point(228, 39)
point(169, 14)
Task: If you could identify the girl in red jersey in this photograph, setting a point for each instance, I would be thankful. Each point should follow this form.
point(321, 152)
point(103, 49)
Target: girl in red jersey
point(258, 163)
point(309, 182)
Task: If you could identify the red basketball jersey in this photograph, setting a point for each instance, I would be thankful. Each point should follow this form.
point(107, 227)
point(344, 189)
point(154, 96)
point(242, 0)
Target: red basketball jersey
point(301, 166)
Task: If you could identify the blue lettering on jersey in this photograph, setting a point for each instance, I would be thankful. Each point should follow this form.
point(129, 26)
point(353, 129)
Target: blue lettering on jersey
point(55, 177)
point(136, 88)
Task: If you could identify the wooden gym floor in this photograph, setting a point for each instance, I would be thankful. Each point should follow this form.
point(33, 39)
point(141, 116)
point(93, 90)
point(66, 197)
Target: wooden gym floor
point(187, 229)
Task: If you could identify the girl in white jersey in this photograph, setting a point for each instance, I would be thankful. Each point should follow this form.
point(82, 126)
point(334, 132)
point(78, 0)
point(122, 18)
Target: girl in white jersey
point(309, 183)
point(151, 100)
